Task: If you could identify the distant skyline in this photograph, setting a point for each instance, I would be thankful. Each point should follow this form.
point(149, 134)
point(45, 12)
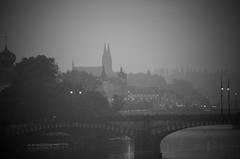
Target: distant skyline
point(143, 34)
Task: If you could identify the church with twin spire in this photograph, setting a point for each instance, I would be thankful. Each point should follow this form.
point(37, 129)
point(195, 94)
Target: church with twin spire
point(99, 71)
point(113, 83)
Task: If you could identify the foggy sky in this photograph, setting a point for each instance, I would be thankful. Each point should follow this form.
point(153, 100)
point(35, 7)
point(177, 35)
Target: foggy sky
point(143, 35)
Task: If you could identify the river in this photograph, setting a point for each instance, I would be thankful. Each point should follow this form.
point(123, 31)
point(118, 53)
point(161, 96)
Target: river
point(209, 142)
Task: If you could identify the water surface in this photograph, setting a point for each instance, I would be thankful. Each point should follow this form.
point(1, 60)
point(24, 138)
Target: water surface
point(208, 142)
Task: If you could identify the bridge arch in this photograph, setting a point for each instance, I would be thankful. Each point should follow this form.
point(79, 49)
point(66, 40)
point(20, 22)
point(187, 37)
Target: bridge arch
point(48, 127)
point(170, 128)
point(159, 133)
point(146, 131)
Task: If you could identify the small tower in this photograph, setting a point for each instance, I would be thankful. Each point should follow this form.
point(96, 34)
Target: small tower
point(121, 74)
point(105, 48)
point(7, 58)
point(73, 65)
point(122, 83)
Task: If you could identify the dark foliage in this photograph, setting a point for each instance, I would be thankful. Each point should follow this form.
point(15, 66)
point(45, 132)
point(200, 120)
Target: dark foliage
point(40, 67)
point(86, 80)
point(37, 94)
point(118, 102)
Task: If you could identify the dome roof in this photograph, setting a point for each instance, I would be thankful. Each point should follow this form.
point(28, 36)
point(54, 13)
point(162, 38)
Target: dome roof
point(7, 58)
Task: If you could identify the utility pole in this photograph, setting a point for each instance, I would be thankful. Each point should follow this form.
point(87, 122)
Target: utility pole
point(228, 97)
point(236, 108)
point(221, 95)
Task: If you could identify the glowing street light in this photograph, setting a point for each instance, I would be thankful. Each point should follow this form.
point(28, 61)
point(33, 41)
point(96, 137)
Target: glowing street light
point(228, 96)
point(221, 94)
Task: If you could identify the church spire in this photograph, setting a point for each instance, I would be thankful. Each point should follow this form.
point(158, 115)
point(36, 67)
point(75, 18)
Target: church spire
point(105, 48)
point(122, 74)
point(108, 49)
point(107, 60)
point(73, 65)
point(5, 40)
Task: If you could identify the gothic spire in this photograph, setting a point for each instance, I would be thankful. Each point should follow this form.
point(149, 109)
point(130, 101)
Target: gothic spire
point(73, 65)
point(5, 39)
point(105, 48)
point(108, 49)
point(107, 60)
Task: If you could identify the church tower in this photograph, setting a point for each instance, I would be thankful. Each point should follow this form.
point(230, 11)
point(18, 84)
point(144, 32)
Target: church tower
point(7, 59)
point(107, 60)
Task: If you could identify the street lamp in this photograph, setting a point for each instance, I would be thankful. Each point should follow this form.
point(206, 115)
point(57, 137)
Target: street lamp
point(221, 94)
point(236, 102)
point(228, 96)
point(71, 92)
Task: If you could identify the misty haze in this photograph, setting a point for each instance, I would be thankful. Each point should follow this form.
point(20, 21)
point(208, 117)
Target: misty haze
point(120, 79)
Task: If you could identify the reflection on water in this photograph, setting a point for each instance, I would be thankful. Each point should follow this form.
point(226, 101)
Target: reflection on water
point(120, 148)
point(111, 148)
point(218, 142)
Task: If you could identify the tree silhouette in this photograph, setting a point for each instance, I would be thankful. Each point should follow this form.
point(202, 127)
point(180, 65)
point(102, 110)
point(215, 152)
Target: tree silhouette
point(81, 78)
point(40, 68)
point(37, 94)
point(32, 94)
point(118, 102)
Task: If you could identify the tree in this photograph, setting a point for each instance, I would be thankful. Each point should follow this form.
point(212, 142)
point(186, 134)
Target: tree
point(146, 80)
point(33, 94)
point(37, 68)
point(81, 78)
point(37, 95)
point(83, 96)
point(185, 89)
point(118, 102)
point(182, 87)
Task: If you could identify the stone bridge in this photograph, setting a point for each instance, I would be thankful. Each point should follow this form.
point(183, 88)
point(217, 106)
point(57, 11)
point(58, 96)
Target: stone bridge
point(146, 131)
